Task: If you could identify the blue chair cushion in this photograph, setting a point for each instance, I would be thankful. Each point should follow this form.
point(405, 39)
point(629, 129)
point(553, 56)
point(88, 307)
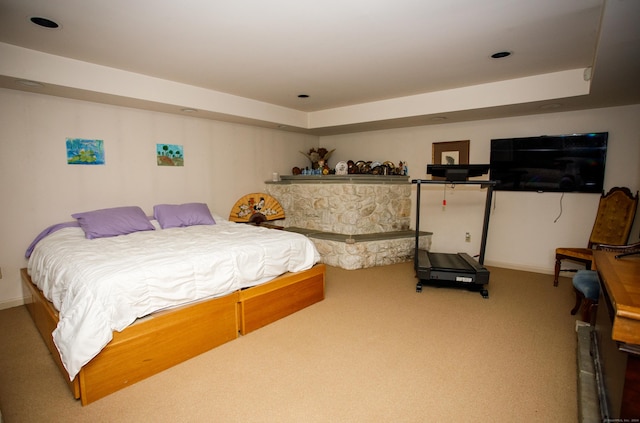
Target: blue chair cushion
point(587, 282)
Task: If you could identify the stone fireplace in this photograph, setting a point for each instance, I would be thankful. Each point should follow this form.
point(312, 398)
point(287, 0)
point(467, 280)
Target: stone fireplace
point(355, 221)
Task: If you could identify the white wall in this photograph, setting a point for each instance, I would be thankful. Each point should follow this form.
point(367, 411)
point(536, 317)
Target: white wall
point(223, 162)
point(523, 232)
point(226, 161)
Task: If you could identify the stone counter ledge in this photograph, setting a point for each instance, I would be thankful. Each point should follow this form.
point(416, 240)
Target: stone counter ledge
point(378, 236)
point(368, 250)
point(340, 179)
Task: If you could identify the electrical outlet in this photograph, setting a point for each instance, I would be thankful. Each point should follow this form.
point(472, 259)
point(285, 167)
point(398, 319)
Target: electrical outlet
point(467, 237)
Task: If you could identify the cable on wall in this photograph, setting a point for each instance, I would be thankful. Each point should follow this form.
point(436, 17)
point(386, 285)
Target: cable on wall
point(557, 218)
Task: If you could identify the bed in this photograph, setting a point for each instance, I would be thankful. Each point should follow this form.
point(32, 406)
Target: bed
point(116, 306)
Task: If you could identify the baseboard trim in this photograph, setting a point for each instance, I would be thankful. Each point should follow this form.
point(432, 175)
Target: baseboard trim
point(523, 268)
point(10, 304)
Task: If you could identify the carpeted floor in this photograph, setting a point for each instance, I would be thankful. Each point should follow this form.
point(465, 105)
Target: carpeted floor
point(373, 351)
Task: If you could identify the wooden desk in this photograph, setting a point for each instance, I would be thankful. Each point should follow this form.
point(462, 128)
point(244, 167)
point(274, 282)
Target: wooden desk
point(618, 334)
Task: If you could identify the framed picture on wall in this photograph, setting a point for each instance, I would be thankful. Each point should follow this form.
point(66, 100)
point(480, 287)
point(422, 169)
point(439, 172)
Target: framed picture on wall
point(450, 153)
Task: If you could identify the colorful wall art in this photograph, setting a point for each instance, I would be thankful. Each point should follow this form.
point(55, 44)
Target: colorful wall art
point(170, 155)
point(85, 152)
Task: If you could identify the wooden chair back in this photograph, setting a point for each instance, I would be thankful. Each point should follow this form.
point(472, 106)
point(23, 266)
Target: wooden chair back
point(616, 212)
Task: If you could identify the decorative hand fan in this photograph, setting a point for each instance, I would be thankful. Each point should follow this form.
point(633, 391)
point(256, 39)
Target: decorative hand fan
point(256, 208)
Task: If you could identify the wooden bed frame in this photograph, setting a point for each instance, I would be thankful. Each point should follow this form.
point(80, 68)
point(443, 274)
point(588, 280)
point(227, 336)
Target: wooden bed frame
point(166, 338)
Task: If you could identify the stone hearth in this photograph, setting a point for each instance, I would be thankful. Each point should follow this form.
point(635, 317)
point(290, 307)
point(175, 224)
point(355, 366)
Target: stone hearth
point(355, 221)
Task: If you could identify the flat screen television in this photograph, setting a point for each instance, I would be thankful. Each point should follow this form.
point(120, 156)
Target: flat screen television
point(556, 163)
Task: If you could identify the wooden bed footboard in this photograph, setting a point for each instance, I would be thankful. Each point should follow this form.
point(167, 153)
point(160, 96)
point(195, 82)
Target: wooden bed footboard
point(167, 338)
point(157, 343)
point(145, 348)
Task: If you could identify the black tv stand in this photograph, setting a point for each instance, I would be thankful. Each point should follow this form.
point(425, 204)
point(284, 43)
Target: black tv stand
point(453, 270)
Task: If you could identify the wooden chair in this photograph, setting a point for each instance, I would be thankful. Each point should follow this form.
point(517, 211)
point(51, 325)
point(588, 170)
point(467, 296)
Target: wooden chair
point(586, 284)
point(614, 219)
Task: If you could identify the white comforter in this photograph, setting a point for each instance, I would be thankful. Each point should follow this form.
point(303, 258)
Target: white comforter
point(105, 284)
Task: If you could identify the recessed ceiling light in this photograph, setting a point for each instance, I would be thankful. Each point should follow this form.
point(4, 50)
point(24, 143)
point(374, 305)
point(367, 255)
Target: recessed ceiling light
point(501, 55)
point(44, 22)
point(29, 83)
point(438, 118)
point(188, 110)
point(303, 95)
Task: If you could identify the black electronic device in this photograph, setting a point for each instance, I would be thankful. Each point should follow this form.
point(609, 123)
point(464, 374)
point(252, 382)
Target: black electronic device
point(557, 163)
point(454, 270)
point(459, 172)
point(451, 269)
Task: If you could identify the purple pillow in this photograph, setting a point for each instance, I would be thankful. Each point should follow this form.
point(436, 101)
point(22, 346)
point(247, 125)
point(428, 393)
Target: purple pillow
point(112, 222)
point(181, 215)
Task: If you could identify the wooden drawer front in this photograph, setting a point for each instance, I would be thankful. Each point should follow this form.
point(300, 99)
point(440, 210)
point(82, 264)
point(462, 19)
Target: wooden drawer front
point(156, 344)
point(259, 311)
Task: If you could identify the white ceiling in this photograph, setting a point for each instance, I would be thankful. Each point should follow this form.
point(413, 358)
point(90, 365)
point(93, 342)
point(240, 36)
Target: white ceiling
point(345, 54)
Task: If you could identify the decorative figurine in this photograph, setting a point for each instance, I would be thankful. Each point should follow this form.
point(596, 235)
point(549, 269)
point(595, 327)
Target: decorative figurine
point(316, 155)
